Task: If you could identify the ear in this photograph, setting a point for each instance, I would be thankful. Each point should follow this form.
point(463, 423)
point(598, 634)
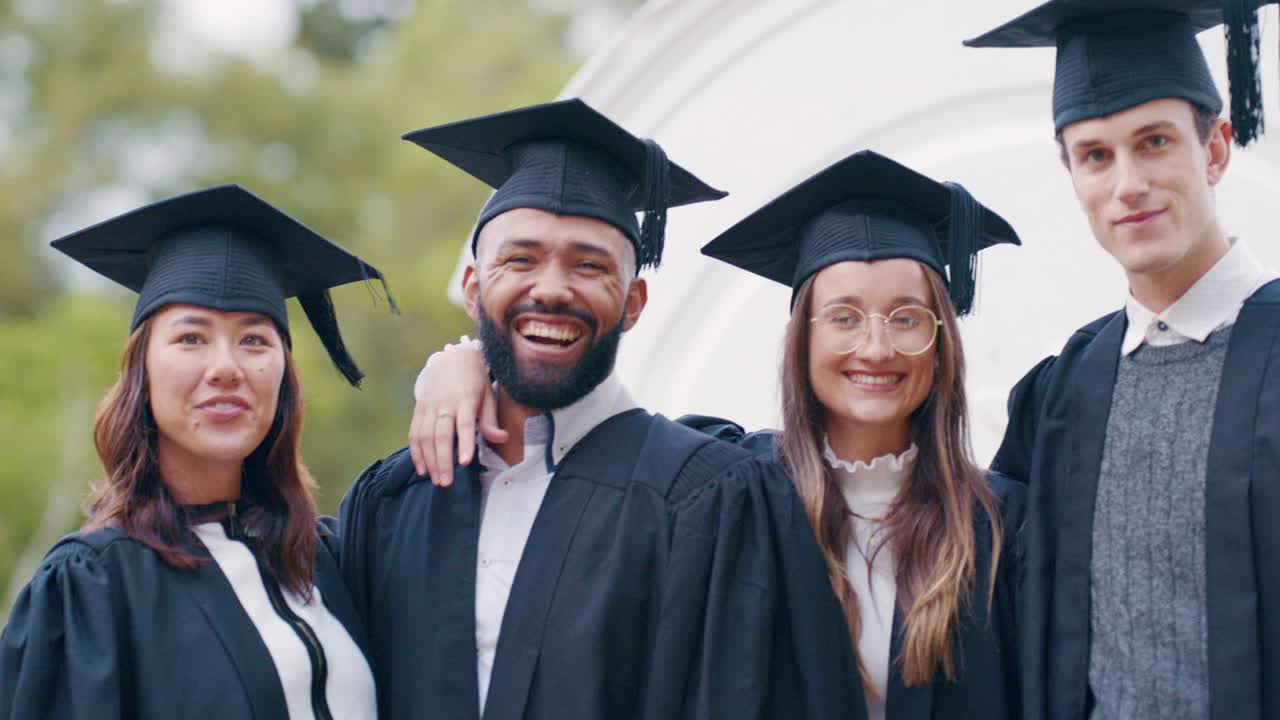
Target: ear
point(471, 291)
point(1218, 151)
point(637, 297)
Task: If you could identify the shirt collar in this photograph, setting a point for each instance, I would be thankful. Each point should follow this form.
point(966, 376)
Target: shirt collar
point(1211, 302)
point(554, 434)
point(570, 424)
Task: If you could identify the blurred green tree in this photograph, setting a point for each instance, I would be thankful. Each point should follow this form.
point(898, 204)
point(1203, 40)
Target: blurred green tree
point(92, 122)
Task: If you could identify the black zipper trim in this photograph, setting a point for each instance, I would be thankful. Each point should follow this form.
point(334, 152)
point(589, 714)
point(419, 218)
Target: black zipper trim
point(319, 665)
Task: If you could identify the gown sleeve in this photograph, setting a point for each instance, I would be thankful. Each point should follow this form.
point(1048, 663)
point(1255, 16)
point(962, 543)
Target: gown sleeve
point(327, 534)
point(61, 654)
point(1026, 402)
point(349, 537)
point(749, 626)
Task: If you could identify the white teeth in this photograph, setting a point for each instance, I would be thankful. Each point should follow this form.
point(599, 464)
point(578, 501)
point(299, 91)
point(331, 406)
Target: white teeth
point(547, 331)
point(863, 379)
point(224, 407)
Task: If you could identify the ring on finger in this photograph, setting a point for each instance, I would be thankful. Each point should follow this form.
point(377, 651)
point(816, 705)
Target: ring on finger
point(444, 413)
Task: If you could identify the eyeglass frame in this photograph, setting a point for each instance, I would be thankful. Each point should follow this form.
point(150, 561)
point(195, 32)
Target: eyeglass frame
point(884, 323)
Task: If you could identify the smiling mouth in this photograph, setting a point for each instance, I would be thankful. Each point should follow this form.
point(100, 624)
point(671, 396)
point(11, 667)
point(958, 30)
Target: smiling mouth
point(223, 407)
point(879, 380)
point(554, 334)
point(223, 404)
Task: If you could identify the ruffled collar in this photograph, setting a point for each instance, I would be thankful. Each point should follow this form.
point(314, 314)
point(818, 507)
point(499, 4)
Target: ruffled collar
point(869, 488)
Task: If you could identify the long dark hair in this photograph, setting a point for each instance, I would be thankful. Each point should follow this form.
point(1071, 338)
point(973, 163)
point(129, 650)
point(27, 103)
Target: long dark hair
point(280, 516)
point(930, 525)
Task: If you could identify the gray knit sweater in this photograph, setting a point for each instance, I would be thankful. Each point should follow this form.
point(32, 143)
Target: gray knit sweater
point(1148, 655)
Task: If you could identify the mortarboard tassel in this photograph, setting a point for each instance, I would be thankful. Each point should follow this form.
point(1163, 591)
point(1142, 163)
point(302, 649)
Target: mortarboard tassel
point(657, 194)
point(319, 309)
point(386, 293)
point(386, 290)
point(1243, 50)
point(964, 228)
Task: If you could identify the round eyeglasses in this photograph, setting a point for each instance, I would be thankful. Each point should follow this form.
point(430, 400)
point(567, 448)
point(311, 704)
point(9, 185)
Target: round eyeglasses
point(911, 329)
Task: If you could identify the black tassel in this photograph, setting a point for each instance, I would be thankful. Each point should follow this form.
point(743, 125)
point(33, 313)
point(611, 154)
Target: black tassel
point(386, 293)
point(964, 229)
point(653, 229)
point(319, 309)
point(386, 290)
point(1243, 51)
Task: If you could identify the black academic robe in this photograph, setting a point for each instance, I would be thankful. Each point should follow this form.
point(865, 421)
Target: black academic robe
point(106, 630)
point(579, 627)
point(774, 640)
point(1057, 427)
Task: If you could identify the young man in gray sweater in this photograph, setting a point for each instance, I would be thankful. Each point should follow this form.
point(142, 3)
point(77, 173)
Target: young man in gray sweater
point(1152, 441)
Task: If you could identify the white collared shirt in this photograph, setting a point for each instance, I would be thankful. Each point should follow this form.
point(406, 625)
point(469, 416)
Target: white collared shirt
point(511, 496)
point(1213, 302)
point(869, 492)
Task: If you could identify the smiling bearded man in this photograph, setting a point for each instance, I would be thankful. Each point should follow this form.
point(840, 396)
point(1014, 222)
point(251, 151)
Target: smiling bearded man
point(528, 584)
point(549, 383)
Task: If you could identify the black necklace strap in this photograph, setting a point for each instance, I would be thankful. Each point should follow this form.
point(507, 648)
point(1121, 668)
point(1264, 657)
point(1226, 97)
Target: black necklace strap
point(226, 512)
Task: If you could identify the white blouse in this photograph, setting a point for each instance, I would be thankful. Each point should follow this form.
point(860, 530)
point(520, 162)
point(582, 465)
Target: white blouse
point(869, 490)
point(349, 682)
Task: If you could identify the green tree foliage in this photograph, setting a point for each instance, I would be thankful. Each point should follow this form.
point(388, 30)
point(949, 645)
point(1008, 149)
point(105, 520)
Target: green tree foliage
point(85, 113)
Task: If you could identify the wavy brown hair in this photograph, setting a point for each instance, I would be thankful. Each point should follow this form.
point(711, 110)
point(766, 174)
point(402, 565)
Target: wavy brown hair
point(280, 517)
point(931, 525)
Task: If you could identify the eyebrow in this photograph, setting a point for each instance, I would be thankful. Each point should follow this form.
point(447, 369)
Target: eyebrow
point(856, 301)
point(578, 246)
point(1089, 143)
point(533, 244)
point(590, 248)
point(520, 243)
point(191, 320)
point(1154, 126)
point(256, 319)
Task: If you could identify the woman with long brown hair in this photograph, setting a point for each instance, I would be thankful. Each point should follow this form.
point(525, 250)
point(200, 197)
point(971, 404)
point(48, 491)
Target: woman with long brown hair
point(919, 545)
point(916, 558)
point(201, 584)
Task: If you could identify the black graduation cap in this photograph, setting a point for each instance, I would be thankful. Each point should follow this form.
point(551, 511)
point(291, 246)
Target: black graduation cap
point(1115, 54)
point(865, 207)
point(565, 157)
point(226, 249)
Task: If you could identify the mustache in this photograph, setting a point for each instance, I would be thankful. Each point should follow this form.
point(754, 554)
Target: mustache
point(542, 309)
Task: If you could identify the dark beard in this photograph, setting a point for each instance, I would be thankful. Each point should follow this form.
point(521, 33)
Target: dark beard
point(546, 386)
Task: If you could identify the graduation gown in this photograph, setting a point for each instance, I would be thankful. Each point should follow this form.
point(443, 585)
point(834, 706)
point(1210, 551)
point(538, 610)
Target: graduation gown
point(107, 630)
point(1057, 428)
point(579, 628)
point(774, 640)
